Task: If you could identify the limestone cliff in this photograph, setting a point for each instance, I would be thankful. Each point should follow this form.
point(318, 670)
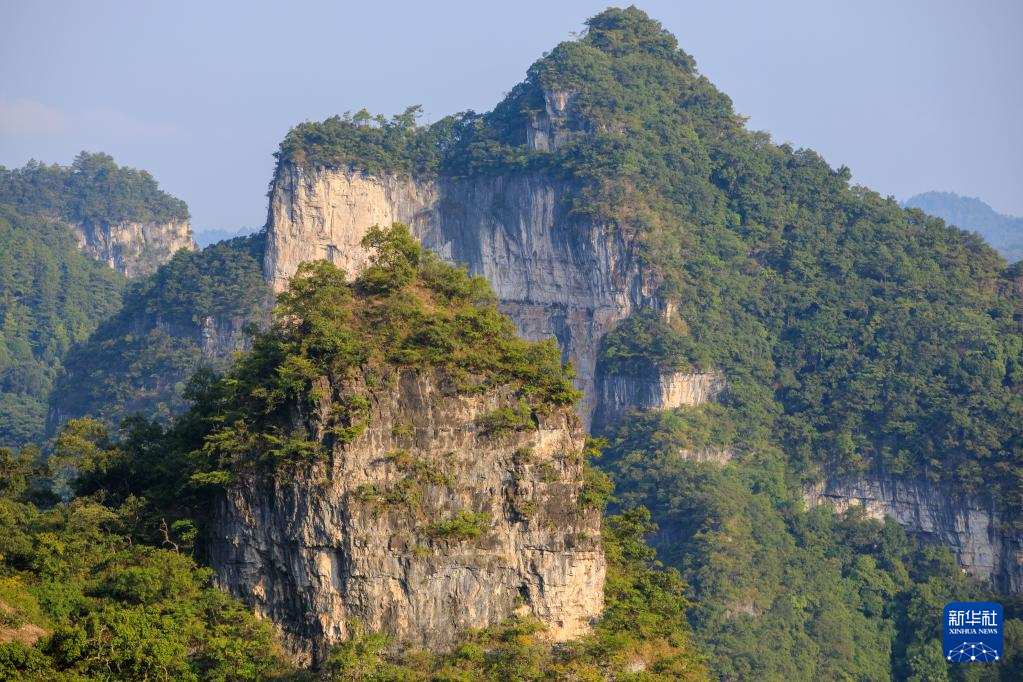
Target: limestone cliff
point(134, 248)
point(971, 527)
point(359, 539)
point(554, 274)
point(653, 390)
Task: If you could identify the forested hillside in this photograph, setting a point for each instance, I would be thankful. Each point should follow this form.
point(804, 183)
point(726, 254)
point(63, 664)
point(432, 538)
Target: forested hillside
point(857, 331)
point(52, 296)
point(104, 587)
point(855, 338)
point(190, 313)
point(93, 189)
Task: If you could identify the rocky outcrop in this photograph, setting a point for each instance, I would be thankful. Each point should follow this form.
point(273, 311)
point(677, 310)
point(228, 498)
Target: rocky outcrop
point(708, 454)
point(653, 390)
point(549, 129)
point(325, 214)
point(135, 249)
point(220, 337)
point(971, 527)
point(554, 274)
point(360, 539)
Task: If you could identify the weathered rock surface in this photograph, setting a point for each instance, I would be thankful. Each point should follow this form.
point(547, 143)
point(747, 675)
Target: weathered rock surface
point(709, 454)
point(135, 249)
point(653, 390)
point(554, 274)
point(971, 527)
point(221, 336)
point(321, 548)
point(550, 129)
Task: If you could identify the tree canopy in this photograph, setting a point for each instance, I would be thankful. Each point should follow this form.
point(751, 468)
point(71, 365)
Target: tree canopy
point(93, 189)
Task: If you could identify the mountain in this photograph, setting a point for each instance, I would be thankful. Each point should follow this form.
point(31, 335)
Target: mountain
point(422, 400)
point(1003, 232)
point(807, 357)
point(808, 398)
point(119, 215)
point(390, 474)
point(191, 313)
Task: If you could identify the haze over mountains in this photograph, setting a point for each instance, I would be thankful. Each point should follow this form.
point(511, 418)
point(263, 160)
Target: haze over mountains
point(1004, 232)
point(599, 384)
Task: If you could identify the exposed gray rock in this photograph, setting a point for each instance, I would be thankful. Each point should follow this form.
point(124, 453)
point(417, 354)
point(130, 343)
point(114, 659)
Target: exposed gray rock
point(971, 527)
point(711, 454)
point(318, 549)
point(135, 249)
point(554, 274)
point(653, 390)
point(220, 337)
point(549, 130)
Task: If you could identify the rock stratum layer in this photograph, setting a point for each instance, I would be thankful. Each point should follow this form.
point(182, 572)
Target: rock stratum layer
point(135, 249)
point(334, 545)
point(971, 527)
point(554, 274)
point(655, 390)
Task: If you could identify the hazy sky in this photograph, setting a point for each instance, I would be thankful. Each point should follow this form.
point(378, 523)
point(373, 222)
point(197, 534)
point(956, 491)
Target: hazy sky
point(912, 96)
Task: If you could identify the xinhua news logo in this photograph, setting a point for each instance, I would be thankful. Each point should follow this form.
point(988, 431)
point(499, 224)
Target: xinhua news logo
point(973, 632)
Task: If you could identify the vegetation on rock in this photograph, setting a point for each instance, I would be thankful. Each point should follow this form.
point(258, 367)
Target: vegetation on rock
point(857, 332)
point(409, 309)
point(854, 334)
point(783, 592)
point(105, 574)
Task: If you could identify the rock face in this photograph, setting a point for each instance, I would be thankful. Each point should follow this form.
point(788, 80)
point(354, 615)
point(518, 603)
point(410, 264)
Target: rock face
point(221, 336)
point(709, 454)
point(970, 527)
point(654, 390)
point(554, 274)
point(135, 249)
point(358, 539)
point(548, 130)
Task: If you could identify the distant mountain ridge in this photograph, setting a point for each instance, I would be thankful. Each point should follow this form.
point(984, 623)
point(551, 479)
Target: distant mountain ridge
point(204, 238)
point(1003, 232)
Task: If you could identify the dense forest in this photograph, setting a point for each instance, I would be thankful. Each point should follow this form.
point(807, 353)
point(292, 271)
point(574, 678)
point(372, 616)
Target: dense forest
point(1003, 232)
point(782, 591)
point(863, 334)
point(93, 189)
point(52, 296)
point(856, 337)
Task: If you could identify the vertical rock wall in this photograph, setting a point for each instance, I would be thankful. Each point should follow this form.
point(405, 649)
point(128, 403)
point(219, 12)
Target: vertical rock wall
point(554, 274)
point(971, 527)
point(325, 548)
point(135, 249)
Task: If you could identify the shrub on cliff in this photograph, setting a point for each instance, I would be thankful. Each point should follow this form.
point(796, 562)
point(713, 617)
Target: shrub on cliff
point(408, 309)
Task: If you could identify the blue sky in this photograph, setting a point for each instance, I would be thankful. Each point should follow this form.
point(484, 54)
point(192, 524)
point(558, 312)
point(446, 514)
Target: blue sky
point(911, 95)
